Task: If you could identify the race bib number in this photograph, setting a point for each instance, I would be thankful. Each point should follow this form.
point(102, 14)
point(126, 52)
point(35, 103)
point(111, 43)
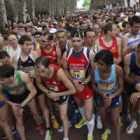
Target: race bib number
point(17, 91)
point(107, 86)
point(77, 74)
point(53, 88)
point(135, 77)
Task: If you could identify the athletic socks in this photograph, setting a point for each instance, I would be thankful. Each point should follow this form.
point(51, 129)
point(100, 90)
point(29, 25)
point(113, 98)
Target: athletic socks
point(81, 109)
point(90, 125)
point(52, 117)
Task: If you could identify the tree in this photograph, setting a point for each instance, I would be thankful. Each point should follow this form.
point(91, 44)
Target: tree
point(3, 16)
point(86, 3)
point(31, 8)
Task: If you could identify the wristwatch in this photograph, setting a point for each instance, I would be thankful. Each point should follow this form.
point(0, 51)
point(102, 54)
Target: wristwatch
point(110, 96)
point(83, 83)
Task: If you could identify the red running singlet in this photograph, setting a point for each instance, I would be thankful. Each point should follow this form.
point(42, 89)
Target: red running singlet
point(53, 84)
point(113, 48)
point(79, 68)
point(51, 55)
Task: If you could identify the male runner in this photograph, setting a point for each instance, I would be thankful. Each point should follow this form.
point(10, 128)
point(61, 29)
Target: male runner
point(132, 39)
point(25, 62)
point(132, 77)
point(56, 86)
point(76, 64)
point(110, 42)
point(107, 82)
point(48, 49)
point(21, 92)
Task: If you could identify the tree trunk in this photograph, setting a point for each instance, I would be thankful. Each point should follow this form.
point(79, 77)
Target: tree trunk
point(2, 16)
point(32, 9)
point(128, 1)
point(24, 11)
point(5, 13)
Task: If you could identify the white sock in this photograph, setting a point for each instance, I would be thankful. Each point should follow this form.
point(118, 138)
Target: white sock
point(76, 110)
point(81, 109)
point(52, 117)
point(65, 138)
point(90, 125)
point(134, 122)
point(93, 116)
point(99, 117)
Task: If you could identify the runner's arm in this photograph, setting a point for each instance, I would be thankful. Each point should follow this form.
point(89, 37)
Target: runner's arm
point(61, 76)
point(119, 59)
point(40, 85)
point(58, 51)
point(25, 78)
point(3, 99)
point(91, 58)
point(65, 66)
point(125, 51)
point(94, 87)
point(127, 69)
point(119, 76)
point(14, 62)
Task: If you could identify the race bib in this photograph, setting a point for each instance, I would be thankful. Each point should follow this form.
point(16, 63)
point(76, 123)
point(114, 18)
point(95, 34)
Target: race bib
point(77, 74)
point(17, 91)
point(53, 88)
point(107, 86)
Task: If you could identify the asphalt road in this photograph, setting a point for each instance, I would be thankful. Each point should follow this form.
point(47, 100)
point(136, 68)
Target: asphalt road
point(76, 134)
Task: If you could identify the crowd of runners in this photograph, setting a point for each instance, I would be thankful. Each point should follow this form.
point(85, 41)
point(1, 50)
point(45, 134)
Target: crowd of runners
point(88, 60)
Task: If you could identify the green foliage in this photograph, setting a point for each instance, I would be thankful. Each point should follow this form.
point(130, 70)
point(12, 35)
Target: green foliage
point(86, 3)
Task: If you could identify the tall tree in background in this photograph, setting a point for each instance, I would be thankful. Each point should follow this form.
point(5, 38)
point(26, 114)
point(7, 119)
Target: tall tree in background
point(3, 15)
point(31, 8)
point(24, 11)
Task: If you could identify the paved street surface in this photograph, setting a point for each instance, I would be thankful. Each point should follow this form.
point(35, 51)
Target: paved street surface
point(75, 134)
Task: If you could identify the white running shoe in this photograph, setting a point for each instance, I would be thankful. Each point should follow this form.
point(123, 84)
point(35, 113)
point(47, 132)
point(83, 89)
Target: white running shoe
point(130, 129)
point(48, 135)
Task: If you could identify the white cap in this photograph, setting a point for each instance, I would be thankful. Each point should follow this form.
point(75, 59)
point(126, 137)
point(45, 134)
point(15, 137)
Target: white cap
point(39, 29)
point(52, 30)
point(55, 22)
point(122, 15)
point(137, 14)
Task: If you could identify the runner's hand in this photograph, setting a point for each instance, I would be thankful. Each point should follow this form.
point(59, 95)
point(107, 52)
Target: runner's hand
point(137, 87)
point(17, 109)
point(107, 102)
point(134, 97)
point(53, 95)
point(79, 87)
point(107, 99)
point(106, 95)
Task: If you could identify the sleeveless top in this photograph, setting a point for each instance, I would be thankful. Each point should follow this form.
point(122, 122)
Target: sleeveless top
point(134, 69)
point(13, 52)
point(113, 48)
point(51, 55)
point(79, 67)
point(133, 41)
point(18, 90)
point(53, 84)
point(109, 85)
point(28, 66)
